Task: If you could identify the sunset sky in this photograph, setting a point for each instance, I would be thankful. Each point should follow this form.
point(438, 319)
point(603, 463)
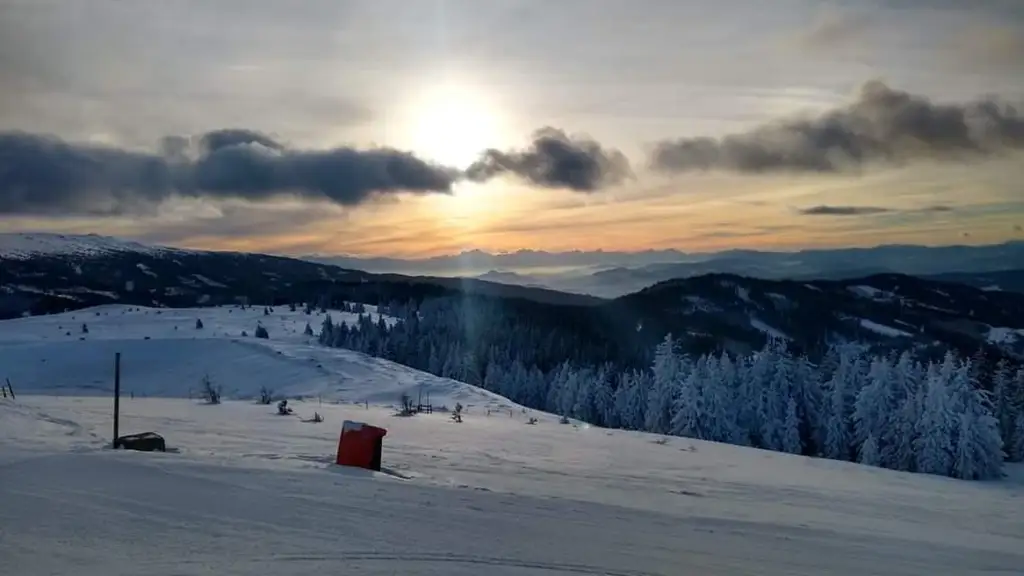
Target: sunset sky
point(359, 126)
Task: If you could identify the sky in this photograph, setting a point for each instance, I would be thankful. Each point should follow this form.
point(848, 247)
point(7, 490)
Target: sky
point(414, 129)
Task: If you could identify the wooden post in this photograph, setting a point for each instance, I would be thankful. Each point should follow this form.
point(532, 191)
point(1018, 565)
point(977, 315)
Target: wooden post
point(10, 388)
point(117, 394)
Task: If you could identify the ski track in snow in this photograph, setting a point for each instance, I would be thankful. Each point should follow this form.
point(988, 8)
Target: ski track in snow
point(245, 491)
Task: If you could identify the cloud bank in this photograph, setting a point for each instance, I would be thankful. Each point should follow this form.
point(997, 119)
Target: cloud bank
point(556, 160)
point(45, 175)
point(881, 125)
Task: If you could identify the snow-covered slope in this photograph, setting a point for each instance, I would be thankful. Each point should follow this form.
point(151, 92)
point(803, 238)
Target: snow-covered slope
point(245, 491)
point(17, 245)
point(164, 354)
point(249, 492)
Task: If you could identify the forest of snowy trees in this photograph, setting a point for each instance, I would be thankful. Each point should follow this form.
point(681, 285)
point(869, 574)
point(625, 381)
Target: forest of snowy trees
point(892, 411)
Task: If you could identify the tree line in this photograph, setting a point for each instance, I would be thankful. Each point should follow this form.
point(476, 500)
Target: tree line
point(952, 416)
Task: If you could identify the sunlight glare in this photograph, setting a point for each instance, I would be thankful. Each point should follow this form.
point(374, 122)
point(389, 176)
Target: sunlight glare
point(452, 124)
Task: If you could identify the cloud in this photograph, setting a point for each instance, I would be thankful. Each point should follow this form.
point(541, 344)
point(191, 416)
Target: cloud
point(228, 137)
point(882, 125)
point(835, 28)
point(827, 210)
point(556, 160)
point(842, 210)
point(45, 175)
point(997, 47)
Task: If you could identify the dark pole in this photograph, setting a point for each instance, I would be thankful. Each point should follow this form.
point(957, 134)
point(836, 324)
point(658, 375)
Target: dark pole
point(117, 393)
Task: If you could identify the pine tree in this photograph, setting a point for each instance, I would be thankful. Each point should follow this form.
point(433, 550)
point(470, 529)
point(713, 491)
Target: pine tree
point(900, 428)
point(1016, 449)
point(688, 417)
point(775, 396)
point(838, 435)
point(638, 401)
point(979, 448)
point(873, 407)
point(791, 442)
point(869, 451)
point(934, 444)
point(1004, 405)
point(327, 332)
point(665, 372)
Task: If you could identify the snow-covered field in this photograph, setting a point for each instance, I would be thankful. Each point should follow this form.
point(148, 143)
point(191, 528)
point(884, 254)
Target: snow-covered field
point(245, 491)
point(163, 354)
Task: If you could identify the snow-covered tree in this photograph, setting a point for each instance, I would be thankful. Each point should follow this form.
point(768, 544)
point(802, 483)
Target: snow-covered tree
point(869, 451)
point(665, 378)
point(1015, 453)
point(978, 447)
point(934, 443)
point(840, 392)
point(791, 442)
point(689, 416)
point(718, 400)
point(850, 404)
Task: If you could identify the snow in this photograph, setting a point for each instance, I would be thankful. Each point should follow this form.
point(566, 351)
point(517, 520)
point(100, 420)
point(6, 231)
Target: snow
point(146, 270)
point(18, 246)
point(208, 281)
point(882, 329)
point(761, 326)
point(1002, 335)
point(163, 354)
point(698, 303)
point(245, 491)
point(871, 292)
point(82, 290)
point(743, 294)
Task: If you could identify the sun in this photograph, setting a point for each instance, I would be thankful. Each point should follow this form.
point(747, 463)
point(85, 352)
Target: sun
point(452, 123)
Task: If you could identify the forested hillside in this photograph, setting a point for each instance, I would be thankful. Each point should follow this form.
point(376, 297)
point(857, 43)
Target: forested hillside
point(950, 416)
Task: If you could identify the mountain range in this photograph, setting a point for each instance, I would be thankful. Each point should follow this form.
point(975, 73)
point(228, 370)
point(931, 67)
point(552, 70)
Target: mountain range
point(613, 274)
point(43, 273)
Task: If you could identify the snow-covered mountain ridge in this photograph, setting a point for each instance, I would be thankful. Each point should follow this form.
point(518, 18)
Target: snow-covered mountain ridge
point(23, 246)
point(44, 273)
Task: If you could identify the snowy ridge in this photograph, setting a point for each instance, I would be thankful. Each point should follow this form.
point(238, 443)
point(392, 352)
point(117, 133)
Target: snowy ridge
point(20, 246)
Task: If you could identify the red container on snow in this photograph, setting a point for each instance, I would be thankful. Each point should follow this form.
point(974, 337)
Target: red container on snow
point(360, 445)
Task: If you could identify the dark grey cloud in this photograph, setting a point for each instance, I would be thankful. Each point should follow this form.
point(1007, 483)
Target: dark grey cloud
point(228, 137)
point(825, 210)
point(45, 175)
point(556, 160)
point(882, 125)
point(829, 210)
